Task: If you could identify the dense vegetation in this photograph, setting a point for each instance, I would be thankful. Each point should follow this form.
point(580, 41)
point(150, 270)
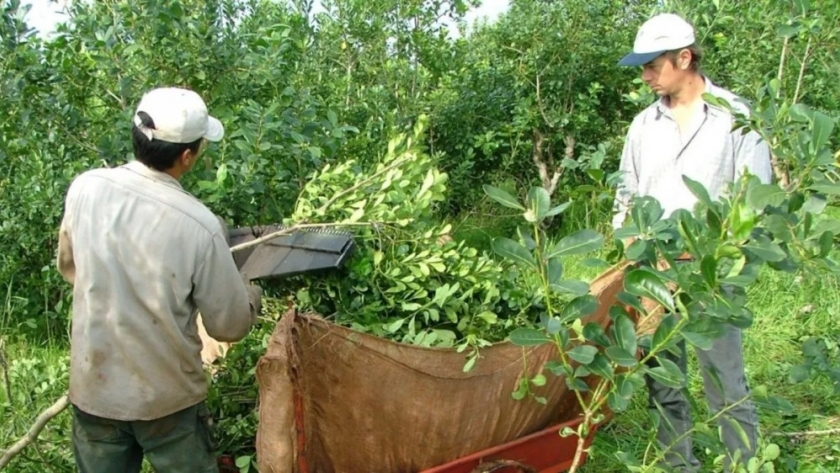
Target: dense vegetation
point(533, 99)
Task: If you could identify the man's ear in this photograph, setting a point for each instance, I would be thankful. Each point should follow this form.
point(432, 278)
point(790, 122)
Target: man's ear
point(186, 159)
point(684, 59)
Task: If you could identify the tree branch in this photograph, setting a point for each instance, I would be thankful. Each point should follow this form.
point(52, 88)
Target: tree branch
point(36, 429)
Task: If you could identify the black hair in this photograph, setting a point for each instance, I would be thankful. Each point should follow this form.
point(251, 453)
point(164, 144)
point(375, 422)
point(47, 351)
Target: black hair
point(696, 56)
point(157, 154)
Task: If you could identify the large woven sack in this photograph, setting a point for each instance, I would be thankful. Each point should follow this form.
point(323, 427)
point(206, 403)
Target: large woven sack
point(333, 400)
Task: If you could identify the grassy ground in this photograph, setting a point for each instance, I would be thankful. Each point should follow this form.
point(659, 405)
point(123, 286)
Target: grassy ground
point(787, 310)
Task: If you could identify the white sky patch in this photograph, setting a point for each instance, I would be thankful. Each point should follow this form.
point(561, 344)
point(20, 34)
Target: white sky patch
point(45, 15)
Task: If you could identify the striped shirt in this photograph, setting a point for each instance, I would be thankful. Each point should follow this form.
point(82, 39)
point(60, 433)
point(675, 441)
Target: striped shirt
point(656, 155)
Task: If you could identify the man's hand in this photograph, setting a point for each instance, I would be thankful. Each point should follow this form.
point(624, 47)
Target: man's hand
point(255, 299)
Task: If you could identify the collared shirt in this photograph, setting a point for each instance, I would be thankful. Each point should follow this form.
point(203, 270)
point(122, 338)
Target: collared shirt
point(656, 155)
point(144, 256)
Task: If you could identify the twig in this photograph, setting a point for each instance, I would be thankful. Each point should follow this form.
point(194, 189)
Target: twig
point(811, 433)
point(36, 429)
point(802, 69)
point(293, 229)
point(782, 64)
point(550, 183)
point(5, 366)
point(360, 184)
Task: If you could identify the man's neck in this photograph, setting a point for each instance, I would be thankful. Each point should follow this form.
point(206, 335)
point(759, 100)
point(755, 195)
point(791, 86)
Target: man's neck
point(689, 94)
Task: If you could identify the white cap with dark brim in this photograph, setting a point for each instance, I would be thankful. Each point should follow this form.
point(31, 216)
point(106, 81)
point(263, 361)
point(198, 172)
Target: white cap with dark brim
point(179, 116)
point(660, 34)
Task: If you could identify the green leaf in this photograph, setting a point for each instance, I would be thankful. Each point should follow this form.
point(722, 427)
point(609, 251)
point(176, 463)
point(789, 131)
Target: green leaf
point(243, 462)
point(555, 367)
point(332, 117)
point(636, 250)
point(778, 226)
point(698, 190)
point(538, 202)
point(799, 373)
point(539, 380)
point(708, 267)
point(788, 31)
point(800, 112)
point(823, 127)
point(762, 195)
point(621, 357)
point(575, 288)
point(663, 332)
point(554, 270)
point(616, 402)
point(765, 249)
point(551, 325)
point(394, 326)
point(667, 373)
point(514, 251)
point(624, 333)
point(578, 307)
point(713, 221)
point(815, 204)
point(826, 244)
point(644, 283)
point(527, 337)
point(826, 188)
point(595, 333)
point(583, 241)
point(502, 197)
point(558, 209)
point(583, 353)
point(601, 366)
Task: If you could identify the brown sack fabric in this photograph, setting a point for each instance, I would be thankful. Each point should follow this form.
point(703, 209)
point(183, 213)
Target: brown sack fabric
point(333, 400)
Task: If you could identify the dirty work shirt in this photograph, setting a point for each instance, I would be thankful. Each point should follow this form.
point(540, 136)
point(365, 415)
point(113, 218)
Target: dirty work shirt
point(656, 155)
point(143, 256)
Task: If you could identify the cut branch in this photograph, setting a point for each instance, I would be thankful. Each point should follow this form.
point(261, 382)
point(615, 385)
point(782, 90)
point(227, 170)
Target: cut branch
point(36, 429)
point(811, 433)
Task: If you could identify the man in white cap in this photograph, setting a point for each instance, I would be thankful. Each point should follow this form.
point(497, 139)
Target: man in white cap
point(681, 134)
point(144, 257)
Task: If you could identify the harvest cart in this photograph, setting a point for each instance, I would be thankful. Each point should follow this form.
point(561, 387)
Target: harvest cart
point(541, 452)
point(334, 400)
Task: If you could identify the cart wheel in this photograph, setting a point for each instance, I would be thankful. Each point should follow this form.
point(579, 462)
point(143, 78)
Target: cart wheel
point(490, 467)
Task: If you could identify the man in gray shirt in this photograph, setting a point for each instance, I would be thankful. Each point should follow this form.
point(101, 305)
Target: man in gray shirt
point(682, 135)
point(144, 257)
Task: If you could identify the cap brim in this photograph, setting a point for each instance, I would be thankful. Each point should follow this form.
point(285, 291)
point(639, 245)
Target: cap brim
point(636, 59)
point(215, 130)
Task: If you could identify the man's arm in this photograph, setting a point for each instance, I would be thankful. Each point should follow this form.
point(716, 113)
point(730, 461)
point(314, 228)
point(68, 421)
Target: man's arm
point(228, 305)
point(628, 184)
point(753, 154)
point(65, 262)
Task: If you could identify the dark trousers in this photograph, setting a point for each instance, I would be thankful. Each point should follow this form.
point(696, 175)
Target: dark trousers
point(725, 387)
point(178, 443)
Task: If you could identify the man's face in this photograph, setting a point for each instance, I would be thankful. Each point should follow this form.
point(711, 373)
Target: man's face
point(663, 76)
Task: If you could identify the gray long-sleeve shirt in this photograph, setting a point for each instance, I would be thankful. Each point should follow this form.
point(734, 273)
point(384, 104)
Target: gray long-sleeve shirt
point(656, 155)
point(144, 257)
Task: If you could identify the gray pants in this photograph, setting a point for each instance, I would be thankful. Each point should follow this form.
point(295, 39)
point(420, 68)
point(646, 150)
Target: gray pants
point(726, 360)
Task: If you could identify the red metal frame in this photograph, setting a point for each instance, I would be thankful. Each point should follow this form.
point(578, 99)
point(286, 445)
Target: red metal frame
point(545, 451)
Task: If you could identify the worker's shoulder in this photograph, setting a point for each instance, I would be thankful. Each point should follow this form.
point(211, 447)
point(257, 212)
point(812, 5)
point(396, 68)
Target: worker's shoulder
point(643, 117)
point(169, 200)
point(738, 104)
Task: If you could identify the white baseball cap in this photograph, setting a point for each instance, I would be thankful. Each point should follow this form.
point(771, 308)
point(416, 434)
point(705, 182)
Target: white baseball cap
point(179, 116)
point(660, 34)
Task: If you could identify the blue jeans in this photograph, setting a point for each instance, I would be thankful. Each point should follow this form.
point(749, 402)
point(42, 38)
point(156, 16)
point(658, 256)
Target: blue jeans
point(726, 359)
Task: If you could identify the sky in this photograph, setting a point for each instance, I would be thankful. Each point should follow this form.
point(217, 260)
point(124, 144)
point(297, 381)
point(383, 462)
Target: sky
point(45, 14)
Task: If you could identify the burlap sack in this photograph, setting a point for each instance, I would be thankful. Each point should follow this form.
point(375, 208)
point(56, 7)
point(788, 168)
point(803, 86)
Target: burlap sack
point(333, 400)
